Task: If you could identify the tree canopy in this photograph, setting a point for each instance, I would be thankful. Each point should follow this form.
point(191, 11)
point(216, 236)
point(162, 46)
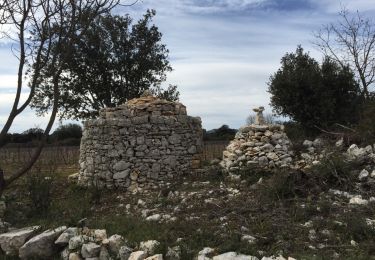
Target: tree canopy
point(112, 62)
point(312, 94)
point(41, 33)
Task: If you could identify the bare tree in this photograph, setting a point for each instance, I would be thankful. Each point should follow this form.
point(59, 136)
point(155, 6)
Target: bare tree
point(35, 27)
point(351, 41)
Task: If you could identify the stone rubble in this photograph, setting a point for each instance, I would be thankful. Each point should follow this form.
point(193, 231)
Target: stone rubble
point(139, 144)
point(83, 243)
point(41, 246)
point(258, 145)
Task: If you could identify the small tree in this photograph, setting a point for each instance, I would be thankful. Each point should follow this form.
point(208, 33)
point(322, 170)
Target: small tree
point(314, 95)
point(36, 27)
point(114, 61)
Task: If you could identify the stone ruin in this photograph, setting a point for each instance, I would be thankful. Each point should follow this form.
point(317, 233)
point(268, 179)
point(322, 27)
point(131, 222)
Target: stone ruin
point(139, 144)
point(258, 144)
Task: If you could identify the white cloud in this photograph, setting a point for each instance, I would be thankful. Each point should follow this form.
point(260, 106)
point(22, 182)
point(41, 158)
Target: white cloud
point(7, 80)
point(221, 61)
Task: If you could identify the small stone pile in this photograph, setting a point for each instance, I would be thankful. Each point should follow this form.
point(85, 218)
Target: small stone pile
point(139, 144)
point(258, 145)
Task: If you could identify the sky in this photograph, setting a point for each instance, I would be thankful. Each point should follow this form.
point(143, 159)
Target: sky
point(222, 52)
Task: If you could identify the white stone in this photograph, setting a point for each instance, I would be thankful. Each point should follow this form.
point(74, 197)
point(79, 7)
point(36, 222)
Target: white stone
point(273, 156)
point(90, 250)
point(155, 217)
point(121, 175)
point(340, 142)
point(363, 174)
point(260, 127)
point(104, 254)
point(234, 256)
point(115, 242)
point(76, 242)
point(64, 238)
point(121, 166)
point(74, 256)
point(149, 246)
point(355, 152)
point(368, 149)
point(370, 222)
point(174, 253)
point(276, 258)
point(155, 257)
point(100, 234)
point(124, 252)
point(138, 255)
point(206, 251)
point(318, 142)
point(307, 143)
point(65, 254)
point(267, 147)
point(250, 239)
point(12, 241)
point(42, 245)
point(357, 200)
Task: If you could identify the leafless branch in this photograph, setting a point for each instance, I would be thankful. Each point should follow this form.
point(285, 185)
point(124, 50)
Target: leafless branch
point(351, 42)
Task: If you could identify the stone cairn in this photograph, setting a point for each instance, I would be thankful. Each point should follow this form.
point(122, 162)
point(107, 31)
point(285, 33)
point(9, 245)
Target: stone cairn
point(258, 144)
point(139, 144)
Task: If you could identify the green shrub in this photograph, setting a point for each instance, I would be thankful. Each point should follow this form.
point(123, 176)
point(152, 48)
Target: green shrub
point(285, 184)
point(39, 189)
point(357, 228)
point(297, 133)
point(334, 172)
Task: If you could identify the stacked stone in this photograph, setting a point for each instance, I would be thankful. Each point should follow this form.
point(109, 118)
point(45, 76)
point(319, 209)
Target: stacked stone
point(258, 145)
point(140, 143)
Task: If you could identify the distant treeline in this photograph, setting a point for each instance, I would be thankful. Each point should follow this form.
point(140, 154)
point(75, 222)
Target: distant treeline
point(223, 133)
point(70, 135)
point(64, 135)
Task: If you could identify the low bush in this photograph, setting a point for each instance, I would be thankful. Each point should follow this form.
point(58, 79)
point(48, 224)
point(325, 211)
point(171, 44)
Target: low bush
point(39, 189)
point(334, 172)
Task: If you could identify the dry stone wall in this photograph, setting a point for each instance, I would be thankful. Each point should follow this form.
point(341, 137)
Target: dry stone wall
point(139, 144)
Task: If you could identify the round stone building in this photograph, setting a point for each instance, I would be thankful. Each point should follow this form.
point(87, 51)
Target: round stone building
point(139, 144)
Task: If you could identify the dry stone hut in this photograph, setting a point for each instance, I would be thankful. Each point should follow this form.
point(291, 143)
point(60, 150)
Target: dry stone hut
point(258, 144)
point(139, 144)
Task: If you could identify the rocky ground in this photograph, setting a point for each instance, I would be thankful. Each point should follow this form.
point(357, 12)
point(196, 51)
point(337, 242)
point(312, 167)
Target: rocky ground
point(325, 211)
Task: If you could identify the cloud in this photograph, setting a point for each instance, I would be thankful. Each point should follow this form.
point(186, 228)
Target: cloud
point(222, 51)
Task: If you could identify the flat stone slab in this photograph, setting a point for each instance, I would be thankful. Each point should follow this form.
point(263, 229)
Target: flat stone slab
point(12, 241)
point(41, 246)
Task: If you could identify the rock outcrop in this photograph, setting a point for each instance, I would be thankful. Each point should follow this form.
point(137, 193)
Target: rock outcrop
point(139, 144)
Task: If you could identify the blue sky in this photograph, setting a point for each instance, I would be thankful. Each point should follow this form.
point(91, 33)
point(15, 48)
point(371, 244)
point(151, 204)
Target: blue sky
point(222, 51)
